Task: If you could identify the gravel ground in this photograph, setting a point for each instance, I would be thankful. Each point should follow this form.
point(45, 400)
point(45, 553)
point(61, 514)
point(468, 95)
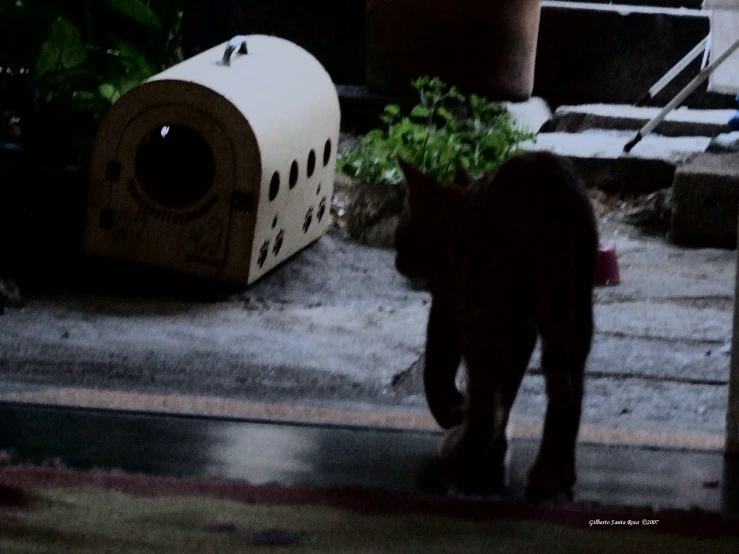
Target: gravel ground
point(337, 325)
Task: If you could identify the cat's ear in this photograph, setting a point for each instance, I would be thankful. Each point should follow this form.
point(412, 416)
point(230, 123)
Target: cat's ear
point(462, 177)
point(419, 184)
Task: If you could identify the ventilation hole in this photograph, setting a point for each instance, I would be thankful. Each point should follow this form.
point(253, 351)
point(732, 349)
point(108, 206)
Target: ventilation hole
point(327, 153)
point(175, 166)
point(318, 190)
point(274, 186)
point(311, 163)
point(293, 174)
point(274, 222)
point(321, 209)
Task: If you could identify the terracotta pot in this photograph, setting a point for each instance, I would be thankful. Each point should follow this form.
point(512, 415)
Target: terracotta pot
point(486, 47)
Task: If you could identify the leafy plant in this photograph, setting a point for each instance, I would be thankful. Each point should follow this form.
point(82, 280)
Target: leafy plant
point(78, 57)
point(444, 131)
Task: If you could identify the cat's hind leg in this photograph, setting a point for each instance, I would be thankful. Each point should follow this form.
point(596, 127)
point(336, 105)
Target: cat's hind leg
point(565, 349)
point(442, 359)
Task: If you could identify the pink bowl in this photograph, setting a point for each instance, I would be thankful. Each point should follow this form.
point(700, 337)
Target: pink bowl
point(606, 266)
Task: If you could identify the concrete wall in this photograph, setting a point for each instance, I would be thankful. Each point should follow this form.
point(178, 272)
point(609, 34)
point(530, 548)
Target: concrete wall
point(589, 54)
point(600, 54)
point(332, 30)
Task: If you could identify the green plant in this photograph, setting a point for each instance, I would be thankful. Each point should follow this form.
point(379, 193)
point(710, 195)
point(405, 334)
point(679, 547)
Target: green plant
point(78, 57)
point(444, 131)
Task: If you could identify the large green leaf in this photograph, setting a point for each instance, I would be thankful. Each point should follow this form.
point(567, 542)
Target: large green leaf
point(110, 92)
point(136, 10)
point(118, 85)
point(134, 60)
point(392, 109)
point(127, 82)
point(64, 48)
point(420, 111)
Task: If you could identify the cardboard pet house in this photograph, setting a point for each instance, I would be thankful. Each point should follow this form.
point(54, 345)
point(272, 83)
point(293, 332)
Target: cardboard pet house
point(221, 166)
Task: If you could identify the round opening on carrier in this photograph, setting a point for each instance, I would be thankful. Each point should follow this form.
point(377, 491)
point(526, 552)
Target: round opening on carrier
point(274, 185)
point(327, 153)
point(311, 163)
point(175, 166)
point(293, 174)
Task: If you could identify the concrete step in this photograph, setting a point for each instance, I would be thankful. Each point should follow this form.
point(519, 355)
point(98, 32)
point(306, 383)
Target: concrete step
point(705, 199)
point(682, 122)
point(705, 184)
point(725, 143)
point(598, 155)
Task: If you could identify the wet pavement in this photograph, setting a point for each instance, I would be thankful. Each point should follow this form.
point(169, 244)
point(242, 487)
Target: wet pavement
point(343, 457)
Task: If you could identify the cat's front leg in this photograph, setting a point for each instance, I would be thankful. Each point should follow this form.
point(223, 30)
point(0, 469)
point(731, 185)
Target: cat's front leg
point(471, 440)
point(441, 364)
point(496, 364)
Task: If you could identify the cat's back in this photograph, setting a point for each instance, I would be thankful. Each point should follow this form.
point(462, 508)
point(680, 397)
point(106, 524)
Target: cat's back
point(539, 176)
point(538, 189)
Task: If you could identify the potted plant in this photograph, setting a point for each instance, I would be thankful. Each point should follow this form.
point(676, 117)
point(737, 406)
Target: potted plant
point(485, 47)
point(444, 131)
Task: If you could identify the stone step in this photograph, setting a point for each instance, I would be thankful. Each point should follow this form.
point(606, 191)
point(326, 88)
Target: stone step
point(703, 177)
point(599, 156)
point(530, 115)
point(725, 143)
point(706, 201)
point(682, 122)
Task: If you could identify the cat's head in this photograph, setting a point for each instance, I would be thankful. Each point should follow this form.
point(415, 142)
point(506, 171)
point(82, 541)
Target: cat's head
point(423, 221)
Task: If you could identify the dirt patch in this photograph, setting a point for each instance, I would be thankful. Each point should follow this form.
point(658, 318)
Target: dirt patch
point(652, 213)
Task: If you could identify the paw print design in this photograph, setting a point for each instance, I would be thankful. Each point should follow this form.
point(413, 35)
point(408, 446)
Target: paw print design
point(321, 209)
point(278, 242)
point(263, 252)
point(308, 219)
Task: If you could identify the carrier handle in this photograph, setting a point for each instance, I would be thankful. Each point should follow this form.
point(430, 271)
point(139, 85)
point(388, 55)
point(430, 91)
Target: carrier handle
point(236, 42)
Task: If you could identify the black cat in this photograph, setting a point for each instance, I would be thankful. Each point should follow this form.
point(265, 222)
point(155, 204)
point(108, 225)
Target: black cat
point(507, 257)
